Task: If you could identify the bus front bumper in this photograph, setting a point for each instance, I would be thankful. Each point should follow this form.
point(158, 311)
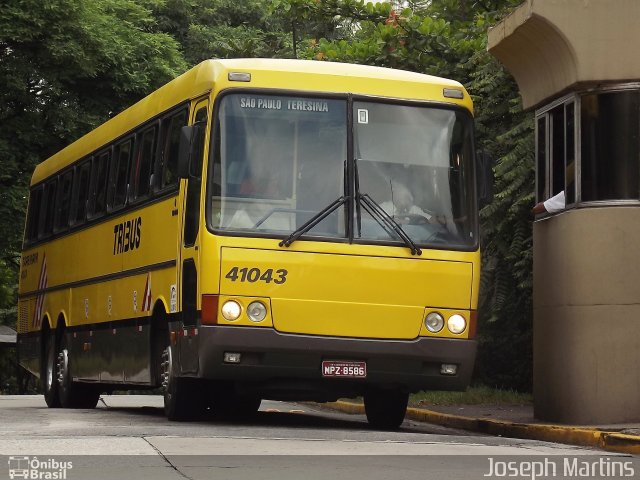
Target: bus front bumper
point(268, 356)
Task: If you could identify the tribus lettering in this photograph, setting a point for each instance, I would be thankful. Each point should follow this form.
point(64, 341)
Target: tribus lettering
point(126, 235)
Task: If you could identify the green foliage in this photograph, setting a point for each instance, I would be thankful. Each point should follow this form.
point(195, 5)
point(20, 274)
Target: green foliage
point(223, 29)
point(65, 67)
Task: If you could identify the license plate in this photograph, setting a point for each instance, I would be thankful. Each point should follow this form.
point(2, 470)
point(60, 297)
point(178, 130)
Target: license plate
point(334, 368)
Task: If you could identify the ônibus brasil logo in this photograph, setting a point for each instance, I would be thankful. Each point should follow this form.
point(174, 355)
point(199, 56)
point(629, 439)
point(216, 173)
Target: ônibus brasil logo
point(35, 469)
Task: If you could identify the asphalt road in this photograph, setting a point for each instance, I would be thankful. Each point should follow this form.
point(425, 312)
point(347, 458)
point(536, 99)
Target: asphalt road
point(129, 437)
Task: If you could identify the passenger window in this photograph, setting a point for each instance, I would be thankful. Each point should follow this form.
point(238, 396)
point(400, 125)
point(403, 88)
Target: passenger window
point(47, 209)
point(141, 167)
point(62, 201)
point(80, 193)
point(170, 141)
point(118, 175)
point(35, 201)
point(98, 185)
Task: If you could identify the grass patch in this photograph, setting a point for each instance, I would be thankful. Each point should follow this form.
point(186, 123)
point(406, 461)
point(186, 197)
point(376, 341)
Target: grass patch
point(472, 396)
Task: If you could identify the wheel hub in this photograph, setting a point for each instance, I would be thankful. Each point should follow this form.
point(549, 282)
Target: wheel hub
point(62, 366)
point(166, 366)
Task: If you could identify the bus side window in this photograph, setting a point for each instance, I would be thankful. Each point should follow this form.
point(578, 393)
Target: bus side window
point(167, 166)
point(117, 194)
point(141, 167)
point(63, 198)
point(80, 193)
point(47, 209)
point(35, 201)
point(98, 185)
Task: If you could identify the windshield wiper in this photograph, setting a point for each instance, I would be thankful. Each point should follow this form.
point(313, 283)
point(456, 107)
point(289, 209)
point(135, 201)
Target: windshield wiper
point(385, 220)
point(313, 221)
point(379, 214)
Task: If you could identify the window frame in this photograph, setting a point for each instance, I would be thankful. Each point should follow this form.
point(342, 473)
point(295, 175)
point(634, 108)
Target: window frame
point(75, 193)
point(545, 113)
point(163, 135)
point(62, 224)
point(47, 209)
point(136, 161)
point(115, 171)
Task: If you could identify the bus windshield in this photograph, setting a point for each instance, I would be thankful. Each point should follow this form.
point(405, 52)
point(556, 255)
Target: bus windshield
point(416, 163)
point(279, 160)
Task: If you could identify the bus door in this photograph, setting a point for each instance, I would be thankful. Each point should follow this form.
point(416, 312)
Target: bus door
point(188, 278)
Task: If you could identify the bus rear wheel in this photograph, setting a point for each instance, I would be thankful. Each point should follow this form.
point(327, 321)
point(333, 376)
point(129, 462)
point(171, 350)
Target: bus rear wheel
point(72, 394)
point(48, 376)
point(385, 409)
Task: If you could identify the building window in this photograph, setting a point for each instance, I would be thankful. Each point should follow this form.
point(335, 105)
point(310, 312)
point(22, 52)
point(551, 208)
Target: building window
point(610, 130)
point(555, 151)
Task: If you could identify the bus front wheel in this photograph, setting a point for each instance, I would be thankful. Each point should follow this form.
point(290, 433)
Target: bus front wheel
point(182, 401)
point(385, 409)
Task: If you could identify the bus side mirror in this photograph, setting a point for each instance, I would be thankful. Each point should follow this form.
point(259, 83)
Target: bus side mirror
point(184, 150)
point(484, 177)
point(189, 147)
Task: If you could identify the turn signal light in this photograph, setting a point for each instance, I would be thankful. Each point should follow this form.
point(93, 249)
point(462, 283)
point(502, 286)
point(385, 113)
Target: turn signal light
point(210, 309)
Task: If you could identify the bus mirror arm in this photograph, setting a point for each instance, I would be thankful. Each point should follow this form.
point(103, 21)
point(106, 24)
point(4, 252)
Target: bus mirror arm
point(484, 178)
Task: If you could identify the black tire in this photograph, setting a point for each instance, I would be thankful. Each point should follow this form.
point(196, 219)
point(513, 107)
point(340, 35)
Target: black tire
point(385, 409)
point(183, 400)
point(72, 394)
point(48, 376)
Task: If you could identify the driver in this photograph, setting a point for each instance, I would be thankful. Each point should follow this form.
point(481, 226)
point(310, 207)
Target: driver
point(402, 207)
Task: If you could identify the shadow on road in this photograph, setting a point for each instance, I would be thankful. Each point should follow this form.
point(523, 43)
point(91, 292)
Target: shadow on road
point(299, 418)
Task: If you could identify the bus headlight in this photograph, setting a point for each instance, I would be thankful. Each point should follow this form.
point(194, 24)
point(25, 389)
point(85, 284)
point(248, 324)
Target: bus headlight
point(256, 311)
point(456, 323)
point(434, 322)
point(231, 310)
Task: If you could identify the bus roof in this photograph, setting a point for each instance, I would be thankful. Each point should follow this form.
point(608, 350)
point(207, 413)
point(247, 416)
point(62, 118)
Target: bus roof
point(301, 75)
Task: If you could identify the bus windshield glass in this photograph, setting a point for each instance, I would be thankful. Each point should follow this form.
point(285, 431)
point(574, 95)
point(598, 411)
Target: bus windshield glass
point(280, 160)
point(416, 163)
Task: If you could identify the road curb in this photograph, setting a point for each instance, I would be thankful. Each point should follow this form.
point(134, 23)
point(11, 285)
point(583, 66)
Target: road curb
point(582, 436)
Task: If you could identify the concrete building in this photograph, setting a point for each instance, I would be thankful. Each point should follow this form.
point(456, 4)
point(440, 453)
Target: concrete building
point(576, 63)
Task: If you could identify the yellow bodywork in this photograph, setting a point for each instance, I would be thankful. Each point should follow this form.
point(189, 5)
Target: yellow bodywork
point(376, 292)
point(332, 289)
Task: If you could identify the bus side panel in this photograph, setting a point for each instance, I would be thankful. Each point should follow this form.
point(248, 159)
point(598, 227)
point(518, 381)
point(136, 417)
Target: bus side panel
point(118, 350)
point(29, 348)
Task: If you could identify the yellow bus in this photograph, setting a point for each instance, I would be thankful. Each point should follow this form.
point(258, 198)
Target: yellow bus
point(260, 229)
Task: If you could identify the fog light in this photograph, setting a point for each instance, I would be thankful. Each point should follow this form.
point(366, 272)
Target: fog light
point(456, 324)
point(448, 369)
point(231, 357)
point(434, 322)
point(256, 311)
point(231, 310)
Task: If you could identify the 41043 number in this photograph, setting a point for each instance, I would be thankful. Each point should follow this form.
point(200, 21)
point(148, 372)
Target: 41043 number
point(253, 275)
